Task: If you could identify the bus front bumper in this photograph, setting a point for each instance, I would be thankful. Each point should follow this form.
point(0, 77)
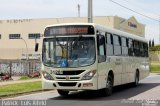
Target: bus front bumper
point(70, 85)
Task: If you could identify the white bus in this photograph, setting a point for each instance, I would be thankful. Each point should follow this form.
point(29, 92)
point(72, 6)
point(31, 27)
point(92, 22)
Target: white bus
point(86, 56)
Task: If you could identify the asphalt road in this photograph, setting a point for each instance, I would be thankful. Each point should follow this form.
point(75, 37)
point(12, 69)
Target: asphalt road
point(146, 94)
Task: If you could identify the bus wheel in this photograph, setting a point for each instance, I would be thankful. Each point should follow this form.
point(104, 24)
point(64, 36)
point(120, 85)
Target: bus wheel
point(63, 92)
point(109, 86)
point(136, 82)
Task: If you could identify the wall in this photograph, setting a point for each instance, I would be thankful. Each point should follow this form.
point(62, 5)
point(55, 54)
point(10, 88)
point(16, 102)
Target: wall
point(14, 48)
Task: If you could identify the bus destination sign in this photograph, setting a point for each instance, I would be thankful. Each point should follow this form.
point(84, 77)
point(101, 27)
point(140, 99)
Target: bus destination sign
point(69, 30)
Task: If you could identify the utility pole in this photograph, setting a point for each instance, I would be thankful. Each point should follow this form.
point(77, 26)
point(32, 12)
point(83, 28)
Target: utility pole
point(90, 12)
point(159, 29)
point(79, 10)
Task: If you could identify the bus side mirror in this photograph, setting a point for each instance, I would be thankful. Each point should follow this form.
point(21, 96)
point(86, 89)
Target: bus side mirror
point(36, 47)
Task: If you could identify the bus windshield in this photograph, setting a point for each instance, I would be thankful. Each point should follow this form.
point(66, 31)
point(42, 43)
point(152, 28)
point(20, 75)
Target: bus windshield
point(69, 51)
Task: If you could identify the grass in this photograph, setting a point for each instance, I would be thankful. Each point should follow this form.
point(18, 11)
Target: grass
point(21, 87)
point(27, 78)
point(155, 67)
point(24, 78)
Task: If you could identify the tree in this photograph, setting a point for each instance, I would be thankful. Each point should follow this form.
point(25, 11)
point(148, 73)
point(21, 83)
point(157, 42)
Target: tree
point(150, 43)
point(153, 43)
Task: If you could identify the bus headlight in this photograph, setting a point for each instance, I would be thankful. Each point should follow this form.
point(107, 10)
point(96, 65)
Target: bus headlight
point(47, 76)
point(89, 75)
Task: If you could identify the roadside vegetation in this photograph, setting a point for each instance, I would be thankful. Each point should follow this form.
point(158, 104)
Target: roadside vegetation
point(34, 75)
point(32, 86)
point(24, 78)
point(155, 67)
point(21, 87)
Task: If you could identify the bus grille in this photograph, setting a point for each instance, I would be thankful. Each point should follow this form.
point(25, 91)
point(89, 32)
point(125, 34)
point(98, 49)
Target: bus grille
point(76, 72)
point(64, 78)
point(67, 84)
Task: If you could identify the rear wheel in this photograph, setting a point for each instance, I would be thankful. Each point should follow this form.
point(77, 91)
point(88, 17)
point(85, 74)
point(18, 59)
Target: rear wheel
point(63, 92)
point(109, 87)
point(136, 82)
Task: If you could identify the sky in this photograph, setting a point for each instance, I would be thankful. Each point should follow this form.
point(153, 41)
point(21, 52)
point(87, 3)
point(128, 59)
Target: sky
point(36, 9)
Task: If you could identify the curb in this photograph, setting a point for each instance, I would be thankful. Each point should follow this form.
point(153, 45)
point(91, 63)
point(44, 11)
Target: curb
point(22, 93)
point(154, 73)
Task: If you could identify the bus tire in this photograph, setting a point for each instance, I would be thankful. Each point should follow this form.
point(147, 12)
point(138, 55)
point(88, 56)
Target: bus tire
point(63, 92)
point(136, 82)
point(109, 86)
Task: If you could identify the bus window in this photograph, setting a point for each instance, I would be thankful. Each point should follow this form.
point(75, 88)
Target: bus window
point(117, 45)
point(136, 48)
point(141, 49)
point(145, 45)
point(124, 46)
point(130, 47)
point(109, 44)
point(101, 48)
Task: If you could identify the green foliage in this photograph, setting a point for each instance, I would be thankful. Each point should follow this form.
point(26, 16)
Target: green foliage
point(150, 43)
point(21, 87)
point(153, 43)
point(24, 78)
point(155, 48)
point(155, 68)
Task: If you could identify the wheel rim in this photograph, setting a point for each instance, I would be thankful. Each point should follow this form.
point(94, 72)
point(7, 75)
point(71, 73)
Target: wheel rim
point(109, 86)
point(137, 79)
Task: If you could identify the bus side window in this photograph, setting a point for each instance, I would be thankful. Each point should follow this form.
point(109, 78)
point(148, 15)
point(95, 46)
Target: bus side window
point(101, 48)
point(141, 49)
point(109, 44)
point(124, 46)
point(117, 45)
point(145, 45)
point(130, 47)
point(136, 48)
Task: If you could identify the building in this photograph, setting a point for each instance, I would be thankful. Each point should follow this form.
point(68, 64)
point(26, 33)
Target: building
point(17, 36)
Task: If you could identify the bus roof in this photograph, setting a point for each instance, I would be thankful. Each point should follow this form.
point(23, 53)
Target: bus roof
point(106, 29)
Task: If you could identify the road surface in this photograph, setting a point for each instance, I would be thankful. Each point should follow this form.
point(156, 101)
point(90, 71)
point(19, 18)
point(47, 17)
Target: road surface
point(146, 94)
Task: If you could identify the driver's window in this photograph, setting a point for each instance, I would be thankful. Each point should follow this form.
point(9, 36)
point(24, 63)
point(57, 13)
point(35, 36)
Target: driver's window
point(101, 48)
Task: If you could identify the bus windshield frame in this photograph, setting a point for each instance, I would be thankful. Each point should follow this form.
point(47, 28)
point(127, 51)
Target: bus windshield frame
point(69, 52)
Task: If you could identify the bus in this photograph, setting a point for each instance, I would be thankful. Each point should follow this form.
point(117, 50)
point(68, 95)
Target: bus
point(87, 56)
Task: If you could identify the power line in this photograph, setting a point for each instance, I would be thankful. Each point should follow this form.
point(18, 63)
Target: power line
point(138, 6)
point(134, 11)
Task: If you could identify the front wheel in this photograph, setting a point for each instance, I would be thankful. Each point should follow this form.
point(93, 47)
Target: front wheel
point(109, 87)
point(63, 92)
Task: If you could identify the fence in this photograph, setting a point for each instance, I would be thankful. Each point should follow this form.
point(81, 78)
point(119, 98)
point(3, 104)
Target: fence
point(19, 67)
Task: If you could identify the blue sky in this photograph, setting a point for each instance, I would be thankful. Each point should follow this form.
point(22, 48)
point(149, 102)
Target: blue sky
point(27, 9)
